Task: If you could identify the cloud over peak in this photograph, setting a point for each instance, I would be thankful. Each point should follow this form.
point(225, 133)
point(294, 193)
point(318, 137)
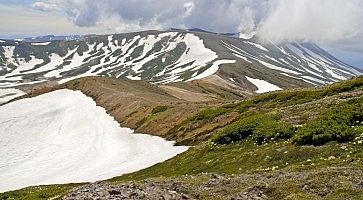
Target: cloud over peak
point(324, 21)
point(313, 20)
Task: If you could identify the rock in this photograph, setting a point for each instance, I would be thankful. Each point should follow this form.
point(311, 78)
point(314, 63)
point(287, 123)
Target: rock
point(114, 192)
point(133, 194)
point(306, 187)
point(358, 185)
point(184, 196)
point(216, 176)
point(167, 197)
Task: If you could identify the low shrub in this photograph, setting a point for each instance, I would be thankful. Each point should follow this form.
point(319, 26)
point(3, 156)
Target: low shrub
point(209, 113)
point(159, 109)
point(337, 124)
point(272, 130)
point(261, 128)
point(323, 131)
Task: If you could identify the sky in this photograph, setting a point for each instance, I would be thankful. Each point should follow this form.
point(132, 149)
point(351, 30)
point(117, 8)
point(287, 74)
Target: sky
point(336, 25)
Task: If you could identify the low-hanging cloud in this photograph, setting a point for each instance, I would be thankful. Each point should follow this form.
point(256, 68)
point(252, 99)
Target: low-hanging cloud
point(313, 20)
point(333, 22)
point(212, 15)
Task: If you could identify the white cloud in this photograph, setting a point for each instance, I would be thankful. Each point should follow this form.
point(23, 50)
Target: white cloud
point(324, 21)
point(213, 15)
point(330, 22)
point(248, 24)
point(189, 7)
point(43, 6)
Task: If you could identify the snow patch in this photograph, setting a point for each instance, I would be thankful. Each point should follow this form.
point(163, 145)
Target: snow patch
point(23, 66)
point(47, 140)
point(244, 58)
point(213, 69)
point(283, 51)
point(256, 45)
point(314, 80)
point(40, 44)
point(135, 78)
point(55, 60)
point(9, 52)
point(196, 53)
point(271, 66)
point(262, 85)
point(76, 62)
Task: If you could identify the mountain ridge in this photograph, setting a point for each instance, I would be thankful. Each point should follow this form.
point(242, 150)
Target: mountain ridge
point(162, 57)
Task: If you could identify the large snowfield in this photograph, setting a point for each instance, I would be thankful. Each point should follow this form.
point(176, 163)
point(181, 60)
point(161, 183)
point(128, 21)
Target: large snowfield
point(63, 137)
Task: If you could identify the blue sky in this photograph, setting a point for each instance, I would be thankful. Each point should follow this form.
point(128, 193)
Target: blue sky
point(335, 25)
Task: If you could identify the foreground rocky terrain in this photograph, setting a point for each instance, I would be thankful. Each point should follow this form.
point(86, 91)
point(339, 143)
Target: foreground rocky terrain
point(272, 185)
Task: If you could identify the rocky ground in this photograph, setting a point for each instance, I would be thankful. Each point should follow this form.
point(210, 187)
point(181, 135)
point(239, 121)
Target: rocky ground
point(163, 190)
point(147, 190)
point(326, 183)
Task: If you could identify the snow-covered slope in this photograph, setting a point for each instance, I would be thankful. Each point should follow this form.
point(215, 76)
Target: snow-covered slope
point(163, 57)
point(301, 61)
point(173, 56)
point(63, 137)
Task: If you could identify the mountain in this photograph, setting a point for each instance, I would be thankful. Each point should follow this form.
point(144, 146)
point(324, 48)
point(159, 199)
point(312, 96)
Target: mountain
point(170, 57)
